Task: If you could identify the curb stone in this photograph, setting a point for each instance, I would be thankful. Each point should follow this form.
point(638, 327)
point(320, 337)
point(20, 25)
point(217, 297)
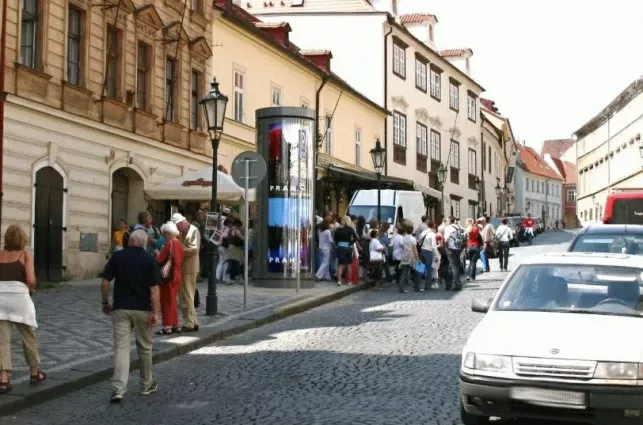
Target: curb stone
point(93, 372)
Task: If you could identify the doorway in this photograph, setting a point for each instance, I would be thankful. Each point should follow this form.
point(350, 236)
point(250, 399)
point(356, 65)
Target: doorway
point(48, 225)
point(128, 198)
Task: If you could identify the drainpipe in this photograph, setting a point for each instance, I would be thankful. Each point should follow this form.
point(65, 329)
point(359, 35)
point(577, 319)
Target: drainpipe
point(3, 61)
point(483, 196)
point(317, 136)
point(390, 30)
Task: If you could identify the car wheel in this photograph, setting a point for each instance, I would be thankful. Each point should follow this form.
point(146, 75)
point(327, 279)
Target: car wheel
point(471, 419)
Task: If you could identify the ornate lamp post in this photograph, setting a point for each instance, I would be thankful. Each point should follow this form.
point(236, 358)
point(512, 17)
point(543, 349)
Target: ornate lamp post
point(498, 195)
point(214, 106)
point(442, 178)
point(479, 190)
point(378, 153)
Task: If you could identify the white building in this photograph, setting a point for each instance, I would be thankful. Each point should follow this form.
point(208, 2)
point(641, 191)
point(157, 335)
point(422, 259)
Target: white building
point(393, 60)
point(542, 189)
point(607, 150)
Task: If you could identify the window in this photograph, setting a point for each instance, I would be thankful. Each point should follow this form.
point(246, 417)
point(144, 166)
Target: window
point(30, 33)
point(455, 208)
point(399, 129)
point(472, 210)
point(489, 156)
point(436, 84)
point(472, 107)
point(113, 59)
point(455, 154)
point(239, 95)
point(276, 96)
point(483, 156)
point(304, 104)
point(142, 75)
point(421, 132)
point(435, 145)
point(197, 6)
point(420, 74)
point(454, 96)
point(74, 46)
point(194, 100)
point(329, 134)
point(399, 60)
point(571, 195)
point(473, 169)
point(358, 146)
point(170, 89)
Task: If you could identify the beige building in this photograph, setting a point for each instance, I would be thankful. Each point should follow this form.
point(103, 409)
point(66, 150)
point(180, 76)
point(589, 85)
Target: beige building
point(607, 150)
point(392, 59)
point(102, 104)
point(257, 67)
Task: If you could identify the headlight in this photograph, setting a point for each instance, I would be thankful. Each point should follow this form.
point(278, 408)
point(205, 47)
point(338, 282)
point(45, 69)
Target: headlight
point(617, 371)
point(487, 362)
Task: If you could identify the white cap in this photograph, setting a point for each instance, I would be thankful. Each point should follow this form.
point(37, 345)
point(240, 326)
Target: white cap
point(177, 218)
point(225, 210)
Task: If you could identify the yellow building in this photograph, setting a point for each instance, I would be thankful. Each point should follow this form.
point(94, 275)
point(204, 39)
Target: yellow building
point(101, 105)
point(257, 67)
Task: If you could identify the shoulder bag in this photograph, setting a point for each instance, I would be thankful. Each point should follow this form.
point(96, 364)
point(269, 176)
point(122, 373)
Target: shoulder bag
point(167, 268)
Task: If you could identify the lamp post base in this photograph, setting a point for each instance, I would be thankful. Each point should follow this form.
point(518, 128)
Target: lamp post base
point(211, 300)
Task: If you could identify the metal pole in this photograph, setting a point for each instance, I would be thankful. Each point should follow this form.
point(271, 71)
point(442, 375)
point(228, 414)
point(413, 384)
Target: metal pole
point(379, 198)
point(297, 209)
point(211, 300)
point(246, 229)
point(442, 204)
point(3, 60)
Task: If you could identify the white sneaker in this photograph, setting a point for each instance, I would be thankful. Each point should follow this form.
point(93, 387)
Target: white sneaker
point(339, 283)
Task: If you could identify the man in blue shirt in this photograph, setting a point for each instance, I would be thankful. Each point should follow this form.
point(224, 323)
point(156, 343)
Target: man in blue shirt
point(135, 306)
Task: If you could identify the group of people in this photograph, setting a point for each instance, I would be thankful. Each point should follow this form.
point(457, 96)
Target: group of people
point(436, 255)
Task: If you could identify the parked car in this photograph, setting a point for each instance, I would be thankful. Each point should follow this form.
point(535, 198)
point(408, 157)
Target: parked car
point(540, 226)
point(558, 342)
point(511, 222)
point(624, 208)
point(609, 238)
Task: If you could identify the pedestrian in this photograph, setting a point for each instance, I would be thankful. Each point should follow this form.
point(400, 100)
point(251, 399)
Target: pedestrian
point(474, 247)
point(557, 223)
point(385, 241)
point(325, 245)
point(172, 253)
point(375, 260)
point(18, 282)
point(119, 235)
point(146, 222)
point(529, 223)
point(421, 227)
point(397, 244)
point(135, 306)
point(345, 237)
point(409, 257)
point(428, 245)
point(504, 235)
point(235, 252)
point(487, 237)
point(454, 239)
point(190, 238)
point(222, 249)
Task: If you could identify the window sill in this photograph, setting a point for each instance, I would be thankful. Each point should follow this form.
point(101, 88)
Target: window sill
point(420, 89)
point(436, 98)
point(454, 109)
point(472, 120)
point(397, 74)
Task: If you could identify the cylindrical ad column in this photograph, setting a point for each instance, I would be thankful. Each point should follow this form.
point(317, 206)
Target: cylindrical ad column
point(285, 138)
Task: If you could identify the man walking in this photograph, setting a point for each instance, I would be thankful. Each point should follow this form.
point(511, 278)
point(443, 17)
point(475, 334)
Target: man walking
point(135, 306)
point(191, 240)
point(487, 238)
point(504, 234)
point(454, 239)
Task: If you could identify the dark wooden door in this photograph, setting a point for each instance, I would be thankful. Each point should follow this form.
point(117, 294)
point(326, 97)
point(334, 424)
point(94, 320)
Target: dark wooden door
point(48, 226)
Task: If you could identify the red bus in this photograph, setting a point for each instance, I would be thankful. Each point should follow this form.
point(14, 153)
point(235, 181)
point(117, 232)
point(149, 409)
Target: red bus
point(624, 208)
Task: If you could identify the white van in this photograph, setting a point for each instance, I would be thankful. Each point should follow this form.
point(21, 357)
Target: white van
point(396, 205)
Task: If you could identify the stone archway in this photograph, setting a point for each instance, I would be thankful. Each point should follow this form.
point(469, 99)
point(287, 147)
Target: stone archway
point(128, 197)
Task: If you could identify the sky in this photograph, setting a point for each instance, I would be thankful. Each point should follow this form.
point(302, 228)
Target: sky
point(550, 65)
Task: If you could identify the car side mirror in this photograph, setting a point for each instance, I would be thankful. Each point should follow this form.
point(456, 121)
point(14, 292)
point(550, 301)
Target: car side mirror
point(481, 306)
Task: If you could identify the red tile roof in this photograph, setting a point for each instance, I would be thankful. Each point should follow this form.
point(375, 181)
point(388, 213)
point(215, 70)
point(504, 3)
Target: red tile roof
point(566, 169)
point(535, 164)
point(556, 148)
point(452, 53)
point(489, 104)
point(414, 18)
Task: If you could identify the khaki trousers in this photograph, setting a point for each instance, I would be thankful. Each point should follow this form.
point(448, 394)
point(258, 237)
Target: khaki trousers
point(124, 321)
point(29, 344)
point(186, 297)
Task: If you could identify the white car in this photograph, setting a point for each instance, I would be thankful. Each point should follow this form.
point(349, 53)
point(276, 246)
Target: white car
point(561, 340)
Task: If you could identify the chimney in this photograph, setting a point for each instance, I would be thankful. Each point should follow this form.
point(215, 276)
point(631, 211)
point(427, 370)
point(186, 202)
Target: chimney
point(277, 30)
point(321, 58)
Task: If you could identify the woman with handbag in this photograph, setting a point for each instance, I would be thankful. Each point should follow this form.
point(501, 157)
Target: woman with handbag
point(170, 258)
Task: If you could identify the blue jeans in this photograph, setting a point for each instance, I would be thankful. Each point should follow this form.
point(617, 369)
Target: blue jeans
point(484, 259)
point(427, 257)
point(474, 254)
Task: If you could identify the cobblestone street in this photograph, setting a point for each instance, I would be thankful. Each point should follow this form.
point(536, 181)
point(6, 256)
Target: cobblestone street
point(370, 358)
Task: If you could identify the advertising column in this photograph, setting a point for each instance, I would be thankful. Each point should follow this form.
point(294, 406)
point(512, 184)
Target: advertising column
point(285, 138)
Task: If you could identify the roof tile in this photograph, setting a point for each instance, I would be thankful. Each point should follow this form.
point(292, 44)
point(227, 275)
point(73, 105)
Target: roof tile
point(414, 18)
point(452, 53)
point(535, 164)
point(566, 169)
point(286, 6)
point(556, 148)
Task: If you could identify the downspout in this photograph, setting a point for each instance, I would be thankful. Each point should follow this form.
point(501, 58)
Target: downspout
point(390, 30)
point(318, 139)
point(3, 61)
point(483, 198)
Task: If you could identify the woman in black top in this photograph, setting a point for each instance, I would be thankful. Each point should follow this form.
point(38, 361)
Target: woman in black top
point(344, 237)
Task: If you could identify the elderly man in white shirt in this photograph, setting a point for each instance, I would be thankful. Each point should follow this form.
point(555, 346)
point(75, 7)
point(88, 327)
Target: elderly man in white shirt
point(504, 234)
point(428, 250)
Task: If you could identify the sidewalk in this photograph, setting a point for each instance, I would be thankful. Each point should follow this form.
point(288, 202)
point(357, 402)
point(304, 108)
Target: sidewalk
point(75, 337)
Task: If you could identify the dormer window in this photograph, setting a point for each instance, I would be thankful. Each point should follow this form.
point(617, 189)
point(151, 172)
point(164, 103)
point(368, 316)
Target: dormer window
point(394, 6)
point(431, 32)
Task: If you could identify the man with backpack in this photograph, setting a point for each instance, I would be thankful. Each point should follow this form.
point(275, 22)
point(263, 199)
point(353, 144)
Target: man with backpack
point(454, 239)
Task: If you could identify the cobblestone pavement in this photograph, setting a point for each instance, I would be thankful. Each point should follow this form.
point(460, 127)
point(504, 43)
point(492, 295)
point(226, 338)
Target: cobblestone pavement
point(74, 330)
point(370, 358)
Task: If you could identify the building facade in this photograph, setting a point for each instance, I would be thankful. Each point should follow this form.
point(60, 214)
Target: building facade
point(100, 105)
point(258, 66)
point(554, 153)
point(434, 105)
point(542, 190)
point(607, 150)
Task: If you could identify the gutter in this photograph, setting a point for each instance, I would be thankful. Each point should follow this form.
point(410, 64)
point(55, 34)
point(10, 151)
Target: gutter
point(390, 30)
point(3, 61)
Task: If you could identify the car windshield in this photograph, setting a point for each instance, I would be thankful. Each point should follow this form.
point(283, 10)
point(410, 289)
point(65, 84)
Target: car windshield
point(577, 288)
point(370, 211)
point(613, 243)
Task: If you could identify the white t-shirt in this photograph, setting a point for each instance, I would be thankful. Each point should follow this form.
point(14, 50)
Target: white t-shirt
point(428, 240)
point(398, 247)
point(375, 252)
point(408, 243)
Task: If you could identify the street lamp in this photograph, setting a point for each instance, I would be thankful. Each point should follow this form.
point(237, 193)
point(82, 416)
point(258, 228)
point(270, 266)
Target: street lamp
point(214, 105)
point(498, 196)
point(442, 178)
point(498, 188)
point(378, 153)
